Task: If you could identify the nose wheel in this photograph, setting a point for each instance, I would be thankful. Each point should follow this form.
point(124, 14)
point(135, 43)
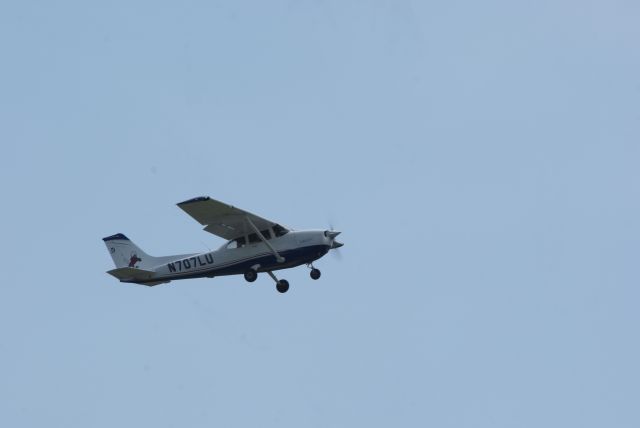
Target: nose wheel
point(282, 285)
point(315, 273)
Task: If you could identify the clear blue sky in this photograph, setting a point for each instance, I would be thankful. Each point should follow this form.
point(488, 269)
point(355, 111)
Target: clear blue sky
point(481, 159)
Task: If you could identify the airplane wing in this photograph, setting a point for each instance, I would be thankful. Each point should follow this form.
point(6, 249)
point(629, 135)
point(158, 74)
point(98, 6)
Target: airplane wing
point(225, 221)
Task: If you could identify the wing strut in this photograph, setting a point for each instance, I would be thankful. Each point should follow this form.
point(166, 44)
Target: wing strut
point(279, 258)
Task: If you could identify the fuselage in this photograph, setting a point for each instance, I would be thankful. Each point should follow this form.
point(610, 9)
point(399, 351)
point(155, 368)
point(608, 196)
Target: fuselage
point(296, 247)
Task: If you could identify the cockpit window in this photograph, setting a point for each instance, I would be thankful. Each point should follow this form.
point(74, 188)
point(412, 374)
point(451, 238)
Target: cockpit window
point(279, 230)
point(253, 238)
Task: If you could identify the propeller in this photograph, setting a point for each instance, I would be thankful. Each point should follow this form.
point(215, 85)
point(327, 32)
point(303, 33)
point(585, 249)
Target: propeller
point(335, 245)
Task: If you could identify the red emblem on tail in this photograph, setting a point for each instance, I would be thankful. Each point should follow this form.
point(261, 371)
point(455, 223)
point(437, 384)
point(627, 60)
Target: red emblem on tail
point(133, 260)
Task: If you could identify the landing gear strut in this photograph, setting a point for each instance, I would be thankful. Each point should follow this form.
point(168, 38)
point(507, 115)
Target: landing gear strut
point(282, 285)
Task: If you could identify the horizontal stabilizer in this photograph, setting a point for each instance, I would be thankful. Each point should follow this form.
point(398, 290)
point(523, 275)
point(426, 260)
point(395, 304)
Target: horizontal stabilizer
point(127, 274)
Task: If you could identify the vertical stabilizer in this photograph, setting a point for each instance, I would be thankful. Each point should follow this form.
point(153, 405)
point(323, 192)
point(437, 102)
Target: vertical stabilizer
point(127, 254)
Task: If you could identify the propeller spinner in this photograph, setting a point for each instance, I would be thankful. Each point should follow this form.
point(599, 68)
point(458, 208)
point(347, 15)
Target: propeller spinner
point(332, 234)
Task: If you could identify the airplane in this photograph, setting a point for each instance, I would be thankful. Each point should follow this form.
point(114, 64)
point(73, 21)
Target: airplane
point(253, 245)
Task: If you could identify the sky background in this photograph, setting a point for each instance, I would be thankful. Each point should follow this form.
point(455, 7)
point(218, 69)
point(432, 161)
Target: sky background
point(480, 158)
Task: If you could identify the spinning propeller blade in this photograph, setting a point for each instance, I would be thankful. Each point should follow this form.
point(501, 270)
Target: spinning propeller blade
point(332, 234)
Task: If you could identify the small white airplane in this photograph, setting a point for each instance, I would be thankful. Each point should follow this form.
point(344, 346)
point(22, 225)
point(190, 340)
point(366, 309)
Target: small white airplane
point(253, 245)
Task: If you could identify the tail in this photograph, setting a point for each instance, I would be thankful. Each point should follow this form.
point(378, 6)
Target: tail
point(126, 254)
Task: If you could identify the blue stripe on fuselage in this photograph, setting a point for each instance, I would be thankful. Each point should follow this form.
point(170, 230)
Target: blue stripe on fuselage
point(294, 258)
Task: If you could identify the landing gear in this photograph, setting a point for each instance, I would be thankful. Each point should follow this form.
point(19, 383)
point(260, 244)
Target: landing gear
point(251, 275)
point(315, 273)
point(282, 285)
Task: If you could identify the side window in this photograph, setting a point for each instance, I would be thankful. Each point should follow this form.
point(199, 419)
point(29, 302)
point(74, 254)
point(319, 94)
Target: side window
point(253, 239)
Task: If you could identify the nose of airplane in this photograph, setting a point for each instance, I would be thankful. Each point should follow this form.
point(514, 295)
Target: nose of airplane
point(331, 234)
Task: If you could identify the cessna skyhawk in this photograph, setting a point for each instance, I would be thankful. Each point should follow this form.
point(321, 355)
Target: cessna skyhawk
point(253, 245)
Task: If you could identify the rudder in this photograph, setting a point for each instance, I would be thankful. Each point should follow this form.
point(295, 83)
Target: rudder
point(127, 254)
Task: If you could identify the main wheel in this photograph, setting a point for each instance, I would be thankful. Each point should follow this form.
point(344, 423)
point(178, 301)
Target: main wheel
point(282, 286)
point(250, 275)
point(315, 273)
